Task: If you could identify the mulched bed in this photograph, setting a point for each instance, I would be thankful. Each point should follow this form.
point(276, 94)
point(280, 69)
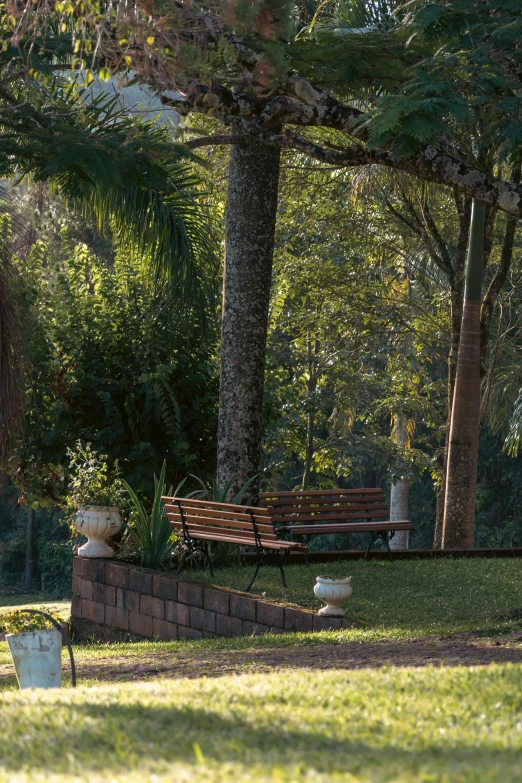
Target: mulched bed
point(462, 650)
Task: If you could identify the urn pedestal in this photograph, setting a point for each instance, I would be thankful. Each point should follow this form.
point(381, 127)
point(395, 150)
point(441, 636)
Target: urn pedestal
point(97, 523)
point(333, 592)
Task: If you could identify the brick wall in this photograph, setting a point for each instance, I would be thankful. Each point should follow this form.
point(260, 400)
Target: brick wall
point(118, 601)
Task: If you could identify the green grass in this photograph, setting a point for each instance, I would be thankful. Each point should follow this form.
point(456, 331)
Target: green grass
point(58, 606)
point(447, 725)
point(409, 598)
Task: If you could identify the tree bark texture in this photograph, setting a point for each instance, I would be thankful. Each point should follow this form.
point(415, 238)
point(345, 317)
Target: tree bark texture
point(461, 476)
point(456, 280)
point(400, 492)
point(250, 225)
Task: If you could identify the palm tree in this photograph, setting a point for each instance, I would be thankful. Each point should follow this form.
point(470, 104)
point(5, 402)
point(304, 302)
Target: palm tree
point(127, 175)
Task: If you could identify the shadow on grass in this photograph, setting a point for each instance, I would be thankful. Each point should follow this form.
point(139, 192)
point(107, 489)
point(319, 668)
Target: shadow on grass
point(113, 738)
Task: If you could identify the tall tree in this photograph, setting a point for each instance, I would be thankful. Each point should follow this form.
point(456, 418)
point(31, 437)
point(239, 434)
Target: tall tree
point(461, 475)
point(419, 77)
point(250, 224)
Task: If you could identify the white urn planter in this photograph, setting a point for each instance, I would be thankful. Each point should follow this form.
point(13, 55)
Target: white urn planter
point(333, 592)
point(97, 523)
point(37, 658)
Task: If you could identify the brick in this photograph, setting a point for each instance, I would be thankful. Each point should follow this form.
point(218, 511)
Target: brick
point(117, 618)
point(228, 626)
point(275, 629)
point(131, 601)
point(189, 633)
point(116, 575)
point(243, 607)
point(120, 598)
point(93, 611)
point(177, 613)
point(216, 600)
point(327, 623)
point(270, 614)
point(104, 594)
point(165, 587)
point(93, 569)
point(76, 584)
point(190, 593)
point(164, 630)
point(297, 620)
point(140, 624)
point(86, 589)
point(77, 565)
point(254, 629)
point(202, 619)
point(155, 607)
point(76, 606)
point(140, 582)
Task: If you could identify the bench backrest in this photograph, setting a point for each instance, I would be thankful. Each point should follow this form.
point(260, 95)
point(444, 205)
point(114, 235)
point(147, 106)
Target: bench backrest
point(326, 505)
point(204, 517)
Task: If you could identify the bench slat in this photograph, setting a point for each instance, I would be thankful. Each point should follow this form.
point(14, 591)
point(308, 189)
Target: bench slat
point(202, 519)
point(198, 523)
point(331, 501)
point(355, 527)
point(210, 512)
point(211, 504)
point(277, 544)
point(321, 492)
point(356, 507)
point(334, 517)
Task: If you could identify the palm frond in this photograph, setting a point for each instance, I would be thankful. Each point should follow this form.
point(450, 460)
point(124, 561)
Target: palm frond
point(125, 173)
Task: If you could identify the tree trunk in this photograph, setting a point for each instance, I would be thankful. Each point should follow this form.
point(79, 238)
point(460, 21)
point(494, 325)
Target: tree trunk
point(400, 491)
point(461, 477)
point(29, 546)
point(456, 281)
point(250, 226)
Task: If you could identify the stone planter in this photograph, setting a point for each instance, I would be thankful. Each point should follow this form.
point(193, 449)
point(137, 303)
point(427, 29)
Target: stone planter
point(333, 592)
point(37, 658)
point(97, 523)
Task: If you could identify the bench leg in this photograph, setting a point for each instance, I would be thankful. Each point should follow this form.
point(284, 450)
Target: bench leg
point(281, 563)
point(372, 541)
point(258, 566)
point(384, 537)
point(207, 557)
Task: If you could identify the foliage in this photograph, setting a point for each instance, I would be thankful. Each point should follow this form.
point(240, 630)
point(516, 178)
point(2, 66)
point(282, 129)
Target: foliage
point(214, 493)
point(52, 551)
point(91, 481)
point(151, 532)
point(19, 621)
point(354, 335)
point(140, 391)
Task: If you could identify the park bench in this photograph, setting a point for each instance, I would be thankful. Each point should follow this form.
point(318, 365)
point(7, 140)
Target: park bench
point(323, 512)
point(201, 521)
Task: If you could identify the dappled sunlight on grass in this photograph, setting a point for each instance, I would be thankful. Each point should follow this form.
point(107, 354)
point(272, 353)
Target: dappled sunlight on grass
point(401, 725)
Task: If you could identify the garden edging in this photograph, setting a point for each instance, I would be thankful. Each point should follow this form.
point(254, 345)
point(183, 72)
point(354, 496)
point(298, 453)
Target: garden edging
point(118, 601)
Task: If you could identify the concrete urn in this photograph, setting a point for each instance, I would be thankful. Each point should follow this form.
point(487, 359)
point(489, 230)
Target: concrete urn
point(332, 592)
point(97, 523)
point(37, 658)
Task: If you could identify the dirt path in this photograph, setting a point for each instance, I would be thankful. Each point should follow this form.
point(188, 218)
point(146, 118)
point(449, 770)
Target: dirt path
point(459, 651)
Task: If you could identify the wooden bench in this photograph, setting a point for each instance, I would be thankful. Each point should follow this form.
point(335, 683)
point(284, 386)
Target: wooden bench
point(322, 512)
point(201, 521)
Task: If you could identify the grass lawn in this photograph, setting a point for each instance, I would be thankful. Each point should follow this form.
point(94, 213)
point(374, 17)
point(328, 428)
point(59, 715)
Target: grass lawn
point(408, 598)
point(404, 725)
